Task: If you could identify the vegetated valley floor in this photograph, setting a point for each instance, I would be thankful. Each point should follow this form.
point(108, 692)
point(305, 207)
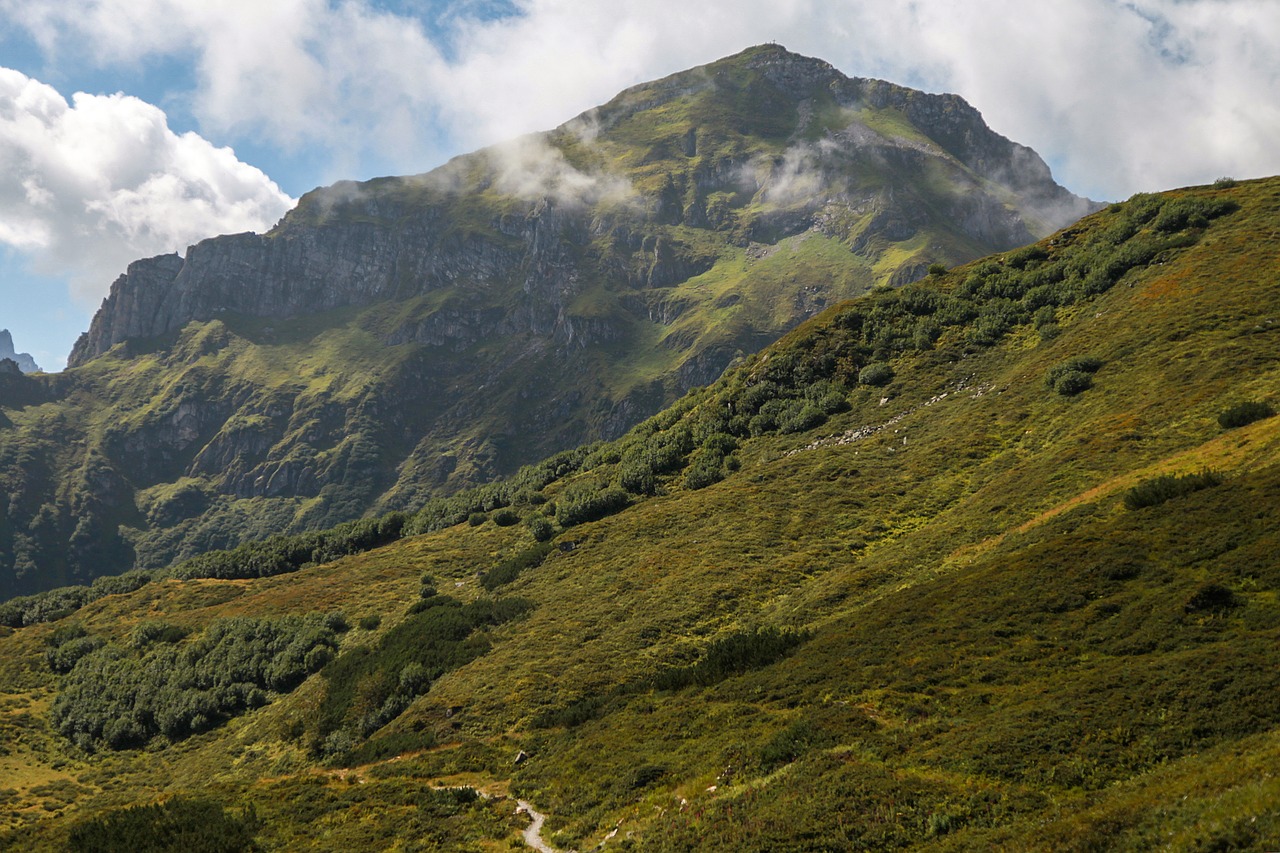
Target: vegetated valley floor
point(970, 641)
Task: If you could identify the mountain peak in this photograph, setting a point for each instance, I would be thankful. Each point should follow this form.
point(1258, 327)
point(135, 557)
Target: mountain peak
point(25, 362)
point(525, 298)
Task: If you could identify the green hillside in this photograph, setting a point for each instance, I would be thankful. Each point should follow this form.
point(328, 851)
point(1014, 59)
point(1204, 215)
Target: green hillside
point(984, 562)
point(403, 338)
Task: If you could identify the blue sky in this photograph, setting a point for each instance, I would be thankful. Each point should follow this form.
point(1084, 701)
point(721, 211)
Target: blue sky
point(129, 128)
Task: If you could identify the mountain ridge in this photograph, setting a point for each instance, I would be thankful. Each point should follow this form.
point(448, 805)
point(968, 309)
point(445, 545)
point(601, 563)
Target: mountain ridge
point(141, 295)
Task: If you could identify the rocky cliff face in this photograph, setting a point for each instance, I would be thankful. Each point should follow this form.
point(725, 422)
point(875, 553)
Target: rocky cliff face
point(397, 338)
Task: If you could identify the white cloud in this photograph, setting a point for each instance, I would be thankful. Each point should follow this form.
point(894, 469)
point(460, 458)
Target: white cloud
point(1121, 96)
point(89, 186)
point(528, 167)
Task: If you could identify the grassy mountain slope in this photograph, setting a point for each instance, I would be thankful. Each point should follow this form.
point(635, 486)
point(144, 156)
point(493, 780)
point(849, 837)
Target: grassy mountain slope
point(947, 610)
point(405, 337)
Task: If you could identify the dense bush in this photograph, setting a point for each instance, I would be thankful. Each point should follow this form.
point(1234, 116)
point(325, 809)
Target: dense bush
point(510, 568)
point(114, 699)
point(589, 502)
point(389, 745)
point(1156, 491)
point(54, 604)
point(368, 687)
point(189, 825)
point(1073, 375)
point(1211, 598)
point(574, 714)
point(541, 528)
point(706, 468)
point(1068, 383)
point(732, 654)
point(792, 743)
point(284, 554)
point(1243, 414)
point(506, 517)
point(154, 631)
point(876, 374)
point(66, 646)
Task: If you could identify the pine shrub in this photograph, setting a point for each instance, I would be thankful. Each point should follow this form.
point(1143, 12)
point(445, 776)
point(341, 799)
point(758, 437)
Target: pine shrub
point(1242, 414)
point(1160, 489)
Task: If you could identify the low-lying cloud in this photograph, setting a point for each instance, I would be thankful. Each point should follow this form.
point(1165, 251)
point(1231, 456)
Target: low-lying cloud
point(529, 167)
point(88, 186)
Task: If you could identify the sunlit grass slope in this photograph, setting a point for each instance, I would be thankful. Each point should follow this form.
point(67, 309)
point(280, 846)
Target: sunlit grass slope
point(918, 614)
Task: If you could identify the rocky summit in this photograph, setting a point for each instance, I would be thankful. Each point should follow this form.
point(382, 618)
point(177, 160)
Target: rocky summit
point(402, 338)
point(22, 361)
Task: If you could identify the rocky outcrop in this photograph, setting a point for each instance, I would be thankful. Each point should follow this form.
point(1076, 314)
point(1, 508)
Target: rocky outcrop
point(22, 360)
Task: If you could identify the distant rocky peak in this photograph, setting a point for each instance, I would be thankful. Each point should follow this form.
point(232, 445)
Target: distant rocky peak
point(25, 362)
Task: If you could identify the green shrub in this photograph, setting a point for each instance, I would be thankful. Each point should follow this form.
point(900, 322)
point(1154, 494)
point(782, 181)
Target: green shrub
point(590, 503)
point(477, 518)
point(386, 746)
point(154, 631)
point(283, 554)
point(636, 476)
point(1026, 256)
point(506, 517)
point(1211, 598)
point(1156, 491)
point(509, 569)
point(367, 687)
point(1049, 332)
point(875, 374)
point(118, 700)
point(792, 743)
point(925, 334)
point(370, 623)
point(190, 825)
point(1242, 414)
point(1073, 375)
point(645, 775)
point(574, 714)
point(66, 646)
point(996, 317)
point(706, 468)
point(1071, 382)
point(800, 417)
point(541, 528)
point(731, 654)
point(937, 269)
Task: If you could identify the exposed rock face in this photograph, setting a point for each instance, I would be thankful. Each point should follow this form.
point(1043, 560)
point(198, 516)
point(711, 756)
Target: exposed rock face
point(22, 360)
point(399, 338)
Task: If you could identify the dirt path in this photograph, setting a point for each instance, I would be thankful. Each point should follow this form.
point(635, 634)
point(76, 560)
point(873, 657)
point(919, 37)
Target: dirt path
point(533, 833)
